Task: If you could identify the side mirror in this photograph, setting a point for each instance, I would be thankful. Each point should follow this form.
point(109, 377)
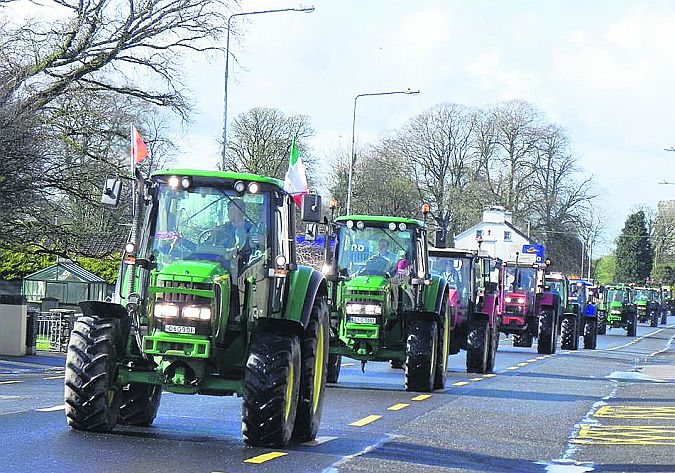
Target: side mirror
point(112, 188)
point(310, 208)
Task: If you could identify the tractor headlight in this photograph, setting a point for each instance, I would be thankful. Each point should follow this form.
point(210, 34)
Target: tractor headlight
point(520, 300)
point(357, 309)
point(166, 311)
point(615, 312)
point(507, 299)
point(197, 312)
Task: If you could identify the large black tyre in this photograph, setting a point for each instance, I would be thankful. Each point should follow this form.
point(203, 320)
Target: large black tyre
point(314, 371)
point(477, 347)
point(522, 340)
point(654, 319)
point(442, 352)
point(493, 345)
point(546, 340)
point(334, 365)
point(631, 330)
point(91, 399)
point(602, 323)
point(569, 339)
point(396, 364)
point(139, 404)
point(664, 317)
point(590, 334)
point(421, 353)
point(271, 385)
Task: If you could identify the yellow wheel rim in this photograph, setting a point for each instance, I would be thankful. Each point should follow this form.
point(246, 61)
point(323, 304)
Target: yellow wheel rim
point(318, 369)
point(289, 391)
point(446, 342)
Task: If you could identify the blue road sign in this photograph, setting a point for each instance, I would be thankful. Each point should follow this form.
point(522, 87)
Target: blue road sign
point(536, 250)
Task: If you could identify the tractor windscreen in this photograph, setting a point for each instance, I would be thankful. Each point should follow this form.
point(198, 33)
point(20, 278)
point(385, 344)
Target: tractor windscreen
point(374, 251)
point(556, 285)
point(522, 279)
point(617, 295)
point(457, 271)
point(642, 295)
point(210, 224)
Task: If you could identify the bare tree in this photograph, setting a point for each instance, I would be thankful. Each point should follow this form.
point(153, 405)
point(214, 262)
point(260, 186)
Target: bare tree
point(261, 142)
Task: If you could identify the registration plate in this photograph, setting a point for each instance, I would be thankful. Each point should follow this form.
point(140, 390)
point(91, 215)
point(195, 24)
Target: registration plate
point(179, 329)
point(363, 320)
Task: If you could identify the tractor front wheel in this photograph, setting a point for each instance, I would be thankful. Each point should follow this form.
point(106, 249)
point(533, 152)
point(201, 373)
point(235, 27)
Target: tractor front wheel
point(602, 323)
point(631, 330)
point(92, 401)
point(442, 352)
point(569, 334)
point(546, 340)
point(334, 365)
point(313, 376)
point(139, 404)
point(477, 347)
point(421, 354)
point(590, 334)
point(523, 340)
point(654, 319)
point(271, 385)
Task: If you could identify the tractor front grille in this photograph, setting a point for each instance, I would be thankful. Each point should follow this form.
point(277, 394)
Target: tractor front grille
point(188, 299)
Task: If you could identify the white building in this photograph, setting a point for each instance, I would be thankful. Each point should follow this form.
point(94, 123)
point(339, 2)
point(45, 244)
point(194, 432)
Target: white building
point(496, 233)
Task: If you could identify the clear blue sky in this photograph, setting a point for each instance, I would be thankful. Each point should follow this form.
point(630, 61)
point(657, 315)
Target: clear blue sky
point(604, 70)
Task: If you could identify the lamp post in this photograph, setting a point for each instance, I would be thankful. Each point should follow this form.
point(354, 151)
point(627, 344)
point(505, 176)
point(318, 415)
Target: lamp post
point(353, 155)
point(301, 8)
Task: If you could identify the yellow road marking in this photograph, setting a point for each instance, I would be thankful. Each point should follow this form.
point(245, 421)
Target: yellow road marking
point(512, 368)
point(365, 421)
point(421, 397)
point(54, 377)
point(532, 360)
point(460, 383)
point(9, 382)
point(265, 457)
point(489, 375)
point(398, 407)
point(636, 412)
point(476, 379)
point(625, 435)
point(523, 364)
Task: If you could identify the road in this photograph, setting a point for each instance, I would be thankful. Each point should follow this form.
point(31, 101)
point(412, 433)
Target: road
point(602, 410)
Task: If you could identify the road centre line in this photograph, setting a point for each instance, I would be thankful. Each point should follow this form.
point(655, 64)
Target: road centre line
point(421, 397)
point(366, 420)
point(523, 364)
point(265, 457)
point(10, 382)
point(512, 368)
point(61, 376)
point(398, 407)
point(460, 383)
point(491, 375)
point(62, 407)
point(475, 379)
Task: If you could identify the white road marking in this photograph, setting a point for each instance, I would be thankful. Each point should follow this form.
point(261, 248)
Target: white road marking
point(319, 441)
point(52, 409)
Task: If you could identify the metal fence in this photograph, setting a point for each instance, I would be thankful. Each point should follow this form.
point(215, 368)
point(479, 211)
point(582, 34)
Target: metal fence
point(52, 329)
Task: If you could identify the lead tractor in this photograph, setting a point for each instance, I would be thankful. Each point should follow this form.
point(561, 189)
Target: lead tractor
point(647, 306)
point(621, 308)
point(386, 306)
point(209, 301)
point(476, 294)
point(530, 310)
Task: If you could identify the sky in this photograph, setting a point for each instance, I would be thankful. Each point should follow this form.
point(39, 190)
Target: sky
point(603, 70)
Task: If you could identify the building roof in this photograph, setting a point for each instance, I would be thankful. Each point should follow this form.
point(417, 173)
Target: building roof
point(64, 272)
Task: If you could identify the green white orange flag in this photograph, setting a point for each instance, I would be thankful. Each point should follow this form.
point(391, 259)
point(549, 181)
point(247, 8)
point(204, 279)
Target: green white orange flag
point(139, 151)
point(295, 181)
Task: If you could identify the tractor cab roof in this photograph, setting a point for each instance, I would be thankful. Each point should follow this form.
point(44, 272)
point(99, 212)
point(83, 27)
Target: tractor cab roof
point(380, 221)
point(226, 176)
point(458, 253)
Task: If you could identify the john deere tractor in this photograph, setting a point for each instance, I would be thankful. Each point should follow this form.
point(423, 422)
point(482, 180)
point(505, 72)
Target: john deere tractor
point(386, 306)
point(210, 301)
point(621, 309)
point(475, 287)
point(647, 306)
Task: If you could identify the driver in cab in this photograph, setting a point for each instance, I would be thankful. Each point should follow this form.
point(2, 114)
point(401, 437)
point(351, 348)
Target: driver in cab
point(382, 262)
point(233, 233)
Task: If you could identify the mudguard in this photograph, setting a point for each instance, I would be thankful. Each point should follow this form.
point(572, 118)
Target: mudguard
point(103, 309)
point(433, 294)
point(304, 284)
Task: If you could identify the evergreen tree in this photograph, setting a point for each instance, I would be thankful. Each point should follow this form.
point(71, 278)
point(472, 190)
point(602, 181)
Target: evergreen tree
point(633, 250)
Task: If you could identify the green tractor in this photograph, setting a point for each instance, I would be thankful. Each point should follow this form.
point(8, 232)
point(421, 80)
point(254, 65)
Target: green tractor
point(210, 301)
point(647, 306)
point(621, 309)
point(603, 308)
point(386, 306)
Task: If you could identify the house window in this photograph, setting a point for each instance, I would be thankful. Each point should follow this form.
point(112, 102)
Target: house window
point(507, 236)
point(479, 233)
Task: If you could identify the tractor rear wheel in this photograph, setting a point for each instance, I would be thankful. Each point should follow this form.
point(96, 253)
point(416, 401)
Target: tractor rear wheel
point(546, 340)
point(654, 319)
point(602, 323)
point(523, 339)
point(396, 364)
point(139, 404)
point(334, 365)
point(421, 354)
point(590, 334)
point(631, 330)
point(493, 345)
point(271, 385)
point(568, 334)
point(477, 347)
point(664, 317)
point(442, 352)
point(92, 401)
point(313, 376)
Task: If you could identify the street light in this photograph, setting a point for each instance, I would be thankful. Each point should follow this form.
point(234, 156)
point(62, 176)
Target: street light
point(300, 8)
point(353, 155)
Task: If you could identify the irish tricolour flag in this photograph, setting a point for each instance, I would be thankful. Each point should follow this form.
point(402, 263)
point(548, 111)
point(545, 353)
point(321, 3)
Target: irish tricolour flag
point(295, 182)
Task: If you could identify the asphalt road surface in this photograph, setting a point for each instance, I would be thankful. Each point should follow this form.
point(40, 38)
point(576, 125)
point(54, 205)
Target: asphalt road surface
point(611, 409)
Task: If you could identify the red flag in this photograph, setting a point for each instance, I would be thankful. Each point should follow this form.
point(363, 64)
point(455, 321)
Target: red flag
point(139, 151)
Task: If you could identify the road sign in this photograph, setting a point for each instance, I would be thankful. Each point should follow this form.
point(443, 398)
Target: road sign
point(535, 250)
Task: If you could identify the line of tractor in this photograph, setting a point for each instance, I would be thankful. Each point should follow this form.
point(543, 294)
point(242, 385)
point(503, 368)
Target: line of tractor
point(211, 300)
